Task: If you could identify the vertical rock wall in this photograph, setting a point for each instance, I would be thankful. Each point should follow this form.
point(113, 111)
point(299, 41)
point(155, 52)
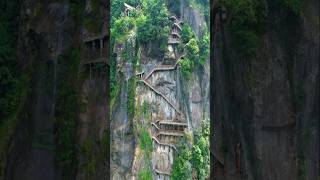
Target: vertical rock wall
point(265, 117)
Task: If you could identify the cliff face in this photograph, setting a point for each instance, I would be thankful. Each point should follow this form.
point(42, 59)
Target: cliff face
point(45, 33)
point(161, 94)
point(265, 108)
point(61, 127)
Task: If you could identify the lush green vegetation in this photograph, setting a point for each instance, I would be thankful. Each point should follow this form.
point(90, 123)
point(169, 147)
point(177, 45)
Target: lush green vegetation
point(153, 23)
point(204, 48)
point(145, 142)
point(187, 33)
point(122, 28)
point(145, 175)
point(193, 156)
point(186, 68)
point(131, 97)
point(182, 167)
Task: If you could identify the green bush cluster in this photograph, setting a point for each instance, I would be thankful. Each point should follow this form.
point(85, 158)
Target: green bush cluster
point(186, 68)
point(190, 46)
point(182, 167)
point(131, 97)
point(204, 48)
point(121, 28)
point(145, 174)
point(186, 33)
point(153, 23)
point(146, 142)
point(145, 107)
point(193, 158)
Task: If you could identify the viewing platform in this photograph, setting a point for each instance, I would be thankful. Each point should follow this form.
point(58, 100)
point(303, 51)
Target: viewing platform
point(95, 50)
point(167, 172)
point(170, 133)
point(173, 40)
point(163, 144)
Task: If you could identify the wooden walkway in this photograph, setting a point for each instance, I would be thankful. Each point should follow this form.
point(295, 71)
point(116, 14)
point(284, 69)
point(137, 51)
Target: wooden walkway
point(162, 172)
point(175, 123)
point(162, 68)
point(97, 60)
point(164, 127)
point(164, 144)
point(170, 133)
point(173, 41)
point(162, 95)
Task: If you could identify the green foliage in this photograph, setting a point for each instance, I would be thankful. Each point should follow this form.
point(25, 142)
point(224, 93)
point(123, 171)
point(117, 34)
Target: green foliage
point(131, 97)
point(153, 22)
point(145, 107)
point(122, 28)
point(193, 50)
point(195, 158)
point(186, 33)
point(204, 48)
point(182, 168)
point(200, 151)
point(114, 84)
point(186, 68)
point(146, 142)
point(145, 175)
point(200, 157)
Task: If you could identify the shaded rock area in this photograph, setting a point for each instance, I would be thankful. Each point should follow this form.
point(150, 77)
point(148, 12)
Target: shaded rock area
point(33, 155)
point(122, 138)
point(49, 48)
point(266, 108)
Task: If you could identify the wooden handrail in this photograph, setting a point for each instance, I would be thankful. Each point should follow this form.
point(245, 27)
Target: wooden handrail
point(159, 93)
